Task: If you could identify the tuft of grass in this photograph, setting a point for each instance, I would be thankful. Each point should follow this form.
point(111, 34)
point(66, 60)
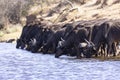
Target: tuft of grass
point(1, 33)
point(12, 29)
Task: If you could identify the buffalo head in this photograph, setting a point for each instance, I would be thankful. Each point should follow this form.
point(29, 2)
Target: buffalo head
point(89, 49)
point(59, 51)
point(33, 45)
point(20, 44)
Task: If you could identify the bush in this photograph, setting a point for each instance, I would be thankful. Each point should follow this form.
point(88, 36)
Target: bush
point(12, 10)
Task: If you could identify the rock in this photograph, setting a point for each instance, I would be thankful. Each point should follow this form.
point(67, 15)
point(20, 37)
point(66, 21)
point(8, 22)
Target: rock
point(10, 40)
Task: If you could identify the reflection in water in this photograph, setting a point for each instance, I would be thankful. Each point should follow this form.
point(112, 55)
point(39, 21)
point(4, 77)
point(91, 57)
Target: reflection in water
point(16, 64)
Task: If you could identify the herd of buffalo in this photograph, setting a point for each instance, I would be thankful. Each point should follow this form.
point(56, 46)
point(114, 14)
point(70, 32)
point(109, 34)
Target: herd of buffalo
point(81, 38)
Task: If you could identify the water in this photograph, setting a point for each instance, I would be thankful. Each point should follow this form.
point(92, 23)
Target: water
point(17, 64)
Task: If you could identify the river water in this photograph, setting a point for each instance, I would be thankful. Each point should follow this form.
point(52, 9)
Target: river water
point(17, 64)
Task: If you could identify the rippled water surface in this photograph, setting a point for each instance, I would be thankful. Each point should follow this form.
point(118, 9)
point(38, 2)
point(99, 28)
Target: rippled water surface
point(17, 64)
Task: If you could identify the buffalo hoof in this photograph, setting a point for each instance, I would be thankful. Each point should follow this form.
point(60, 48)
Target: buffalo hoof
point(96, 55)
point(114, 55)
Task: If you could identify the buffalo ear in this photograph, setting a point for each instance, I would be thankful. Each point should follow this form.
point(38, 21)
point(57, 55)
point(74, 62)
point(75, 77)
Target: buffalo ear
point(82, 45)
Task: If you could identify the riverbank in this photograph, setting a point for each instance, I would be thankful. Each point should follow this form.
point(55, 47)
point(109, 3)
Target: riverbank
point(13, 32)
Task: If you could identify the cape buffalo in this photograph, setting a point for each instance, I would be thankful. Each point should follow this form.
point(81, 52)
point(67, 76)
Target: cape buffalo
point(28, 32)
point(21, 40)
point(108, 35)
point(71, 39)
point(52, 41)
point(40, 39)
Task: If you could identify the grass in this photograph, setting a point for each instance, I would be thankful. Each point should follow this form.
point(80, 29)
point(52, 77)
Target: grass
point(10, 33)
point(1, 33)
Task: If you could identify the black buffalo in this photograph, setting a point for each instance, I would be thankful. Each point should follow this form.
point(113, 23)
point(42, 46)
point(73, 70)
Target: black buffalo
point(112, 36)
point(28, 32)
point(72, 37)
point(52, 42)
point(107, 35)
point(40, 39)
point(21, 41)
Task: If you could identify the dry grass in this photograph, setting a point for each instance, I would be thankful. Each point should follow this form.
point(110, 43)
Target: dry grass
point(82, 12)
point(110, 12)
point(10, 33)
point(87, 12)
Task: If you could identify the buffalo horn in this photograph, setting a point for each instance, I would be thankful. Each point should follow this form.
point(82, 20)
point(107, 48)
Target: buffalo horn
point(87, 41)
point(62, 39)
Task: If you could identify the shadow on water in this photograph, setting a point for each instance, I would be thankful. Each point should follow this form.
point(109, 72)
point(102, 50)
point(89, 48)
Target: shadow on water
point(74, 59)
point(97, 59)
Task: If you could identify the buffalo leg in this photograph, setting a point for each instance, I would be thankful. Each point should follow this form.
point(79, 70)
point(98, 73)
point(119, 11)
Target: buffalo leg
point(109, 48)
point(54, 48)
point(114, 49)
point(78, 52)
